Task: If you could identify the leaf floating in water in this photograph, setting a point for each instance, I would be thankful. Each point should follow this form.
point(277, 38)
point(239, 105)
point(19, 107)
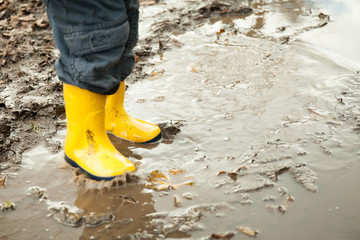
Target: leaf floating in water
point(248, 231)
point(290, 198)
point(222, 236)
point(189, 183)
point(136, 58)
point(193, 68)
point(159, 181)
point(241, 168)
point(156, 176)
point(2, 182)
point(156, 74)
point(176, 171)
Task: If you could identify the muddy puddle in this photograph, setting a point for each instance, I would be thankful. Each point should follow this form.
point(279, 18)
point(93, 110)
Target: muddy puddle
point(261, 114)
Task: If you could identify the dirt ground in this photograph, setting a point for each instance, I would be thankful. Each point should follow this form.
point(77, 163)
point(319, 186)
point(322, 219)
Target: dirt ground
point(269, 139)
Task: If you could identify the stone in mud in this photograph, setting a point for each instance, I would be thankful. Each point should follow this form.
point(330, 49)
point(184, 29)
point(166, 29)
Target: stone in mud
point(65, 214)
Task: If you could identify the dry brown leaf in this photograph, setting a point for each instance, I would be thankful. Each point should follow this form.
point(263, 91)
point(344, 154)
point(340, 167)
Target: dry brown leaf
point(2, 182)
point(248, 231)
point(159, 181)
point(176, 171)
point(222, 236)
point(241, 168)
point(193, 69)
point(290, 198)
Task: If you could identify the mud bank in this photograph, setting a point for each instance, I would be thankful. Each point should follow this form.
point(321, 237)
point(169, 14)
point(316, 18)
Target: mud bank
point(260, 123)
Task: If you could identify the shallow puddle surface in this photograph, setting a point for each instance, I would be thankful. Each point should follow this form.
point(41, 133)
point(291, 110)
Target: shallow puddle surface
point(270, 136)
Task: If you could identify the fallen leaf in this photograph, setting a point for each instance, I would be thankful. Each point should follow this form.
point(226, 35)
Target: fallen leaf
point(159, 181)
point(157, 175)
point(189, 183)
point(248, 231)
point(136, 58)
point(223, 236)
point(156, 74)
point(193, 69)
point(241, 168)
point(2, 182)
point(176, 171)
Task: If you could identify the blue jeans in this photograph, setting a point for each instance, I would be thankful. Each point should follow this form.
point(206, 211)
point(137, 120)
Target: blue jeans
point(96, 40)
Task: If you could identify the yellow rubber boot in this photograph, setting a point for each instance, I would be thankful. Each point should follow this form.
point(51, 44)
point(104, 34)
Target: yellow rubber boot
point(121, 124)
point(87, 145)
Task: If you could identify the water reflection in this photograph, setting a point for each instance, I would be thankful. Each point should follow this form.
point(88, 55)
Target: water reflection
point(129, 204)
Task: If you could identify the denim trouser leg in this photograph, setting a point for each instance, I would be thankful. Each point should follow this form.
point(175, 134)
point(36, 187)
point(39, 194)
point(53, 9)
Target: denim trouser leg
point(95, 39)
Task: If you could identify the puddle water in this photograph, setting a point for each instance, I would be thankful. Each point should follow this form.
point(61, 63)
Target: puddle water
point(288, 114)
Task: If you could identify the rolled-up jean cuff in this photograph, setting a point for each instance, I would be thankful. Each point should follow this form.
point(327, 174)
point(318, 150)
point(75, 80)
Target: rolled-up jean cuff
point(95, 50)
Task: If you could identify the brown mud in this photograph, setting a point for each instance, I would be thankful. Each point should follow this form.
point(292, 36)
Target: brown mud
point(259, 106)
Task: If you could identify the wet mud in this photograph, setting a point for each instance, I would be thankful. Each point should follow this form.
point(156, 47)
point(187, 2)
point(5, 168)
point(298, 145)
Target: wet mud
point(259, 106)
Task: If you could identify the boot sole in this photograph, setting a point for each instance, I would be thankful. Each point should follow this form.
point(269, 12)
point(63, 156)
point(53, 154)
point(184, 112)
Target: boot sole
point(89, 175)
point(158, 137)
